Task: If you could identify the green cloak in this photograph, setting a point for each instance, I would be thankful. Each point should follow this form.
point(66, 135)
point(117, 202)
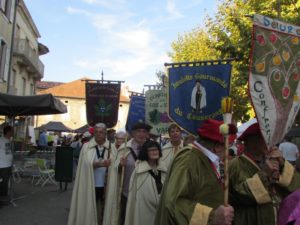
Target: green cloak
point(191, 190)
point(255, 201)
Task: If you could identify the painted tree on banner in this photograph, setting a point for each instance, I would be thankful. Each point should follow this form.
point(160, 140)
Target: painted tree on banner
point(274, 76)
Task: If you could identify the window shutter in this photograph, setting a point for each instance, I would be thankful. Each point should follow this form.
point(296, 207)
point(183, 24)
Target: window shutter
point(2, 58)
point(2, 5)
point(6, 65)
point(10, 13)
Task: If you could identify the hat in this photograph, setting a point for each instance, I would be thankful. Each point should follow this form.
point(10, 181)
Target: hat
point(210, 130)
point(141, 125)
point(251, 130)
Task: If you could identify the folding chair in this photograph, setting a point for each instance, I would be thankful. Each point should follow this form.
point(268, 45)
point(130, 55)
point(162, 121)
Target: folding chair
point(46, 175)
point(16, 173)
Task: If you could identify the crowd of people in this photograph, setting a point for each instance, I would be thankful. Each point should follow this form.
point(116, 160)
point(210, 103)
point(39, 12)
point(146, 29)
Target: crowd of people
point(136, 181)
point(132, 179)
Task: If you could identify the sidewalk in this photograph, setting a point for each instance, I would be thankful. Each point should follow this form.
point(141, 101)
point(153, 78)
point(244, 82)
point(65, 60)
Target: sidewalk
point(42, 205)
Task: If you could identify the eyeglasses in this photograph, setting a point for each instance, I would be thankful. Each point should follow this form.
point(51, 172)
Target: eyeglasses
point(153, 149)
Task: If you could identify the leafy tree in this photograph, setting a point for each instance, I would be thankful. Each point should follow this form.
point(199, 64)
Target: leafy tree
point(228, 35)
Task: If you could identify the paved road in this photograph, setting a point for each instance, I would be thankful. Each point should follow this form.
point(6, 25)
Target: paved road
point(41, 206)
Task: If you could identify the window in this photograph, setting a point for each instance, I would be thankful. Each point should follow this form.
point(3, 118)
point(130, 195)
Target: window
point(31, 89)
point(2, 5)
point(6, 8)
point(24, 86)
point(3, 56)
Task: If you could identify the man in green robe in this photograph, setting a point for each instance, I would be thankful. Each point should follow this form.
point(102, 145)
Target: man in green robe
point(259, 180)
point(193, 192)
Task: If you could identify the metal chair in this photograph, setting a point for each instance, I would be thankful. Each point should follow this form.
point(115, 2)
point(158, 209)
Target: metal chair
point(46, 175)
point(16, 173)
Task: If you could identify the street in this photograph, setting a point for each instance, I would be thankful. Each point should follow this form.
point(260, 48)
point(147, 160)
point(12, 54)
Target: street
point(41, 205)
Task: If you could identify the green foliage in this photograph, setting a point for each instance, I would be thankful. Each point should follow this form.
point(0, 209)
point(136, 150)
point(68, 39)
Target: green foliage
point(228, 35)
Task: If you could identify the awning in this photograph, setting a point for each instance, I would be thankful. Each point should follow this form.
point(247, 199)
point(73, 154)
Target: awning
point(12, 105)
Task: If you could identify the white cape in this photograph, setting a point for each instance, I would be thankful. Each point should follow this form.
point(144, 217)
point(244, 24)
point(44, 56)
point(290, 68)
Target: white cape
point(83, 209)
point(112, 197)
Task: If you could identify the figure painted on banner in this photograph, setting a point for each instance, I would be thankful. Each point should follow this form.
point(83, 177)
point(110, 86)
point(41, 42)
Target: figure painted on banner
point(193, 192)
point(198, 97)
point(88, 193)
point(174, 145)
point(120, 173)
point(258, 180)
point(145, 185)
point(6, 158)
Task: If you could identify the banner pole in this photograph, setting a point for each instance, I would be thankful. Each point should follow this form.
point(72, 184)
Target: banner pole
point(226, 173)
point(226, 106)
point(204, 62)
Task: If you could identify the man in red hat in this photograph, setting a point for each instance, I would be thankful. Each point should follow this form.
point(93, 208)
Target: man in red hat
point(259, 180)
point(193, 192)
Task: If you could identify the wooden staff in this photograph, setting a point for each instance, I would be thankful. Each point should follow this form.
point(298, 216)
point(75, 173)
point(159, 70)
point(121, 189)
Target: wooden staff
point(109, 149)
point(226, 105)
point(226, 173)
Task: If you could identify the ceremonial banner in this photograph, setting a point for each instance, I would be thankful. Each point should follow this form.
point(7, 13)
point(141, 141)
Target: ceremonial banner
point(136, 111)
point(156, 111)
point(195, 94)
point(274, 76)
point(102, 103)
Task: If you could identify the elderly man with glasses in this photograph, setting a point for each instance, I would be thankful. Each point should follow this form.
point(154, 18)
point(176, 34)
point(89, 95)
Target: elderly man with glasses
point(88, 193)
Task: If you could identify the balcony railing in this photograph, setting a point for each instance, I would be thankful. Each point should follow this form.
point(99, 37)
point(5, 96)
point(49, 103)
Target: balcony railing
point(29, 57)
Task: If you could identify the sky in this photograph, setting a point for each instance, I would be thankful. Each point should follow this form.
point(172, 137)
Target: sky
point(128, 40)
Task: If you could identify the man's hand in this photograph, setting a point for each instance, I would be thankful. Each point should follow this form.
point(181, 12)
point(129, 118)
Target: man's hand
point(123, 161)
point(102, 163)
point(223, 215)
point(274, 153)
point(106, 163)
point(274, 161)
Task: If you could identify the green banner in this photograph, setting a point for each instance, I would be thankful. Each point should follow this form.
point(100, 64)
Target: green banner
point(156, 111)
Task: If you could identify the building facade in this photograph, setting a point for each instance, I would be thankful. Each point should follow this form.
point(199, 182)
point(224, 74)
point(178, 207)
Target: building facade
point(27, 68)
point(7, 9)
point(20, 51)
